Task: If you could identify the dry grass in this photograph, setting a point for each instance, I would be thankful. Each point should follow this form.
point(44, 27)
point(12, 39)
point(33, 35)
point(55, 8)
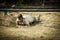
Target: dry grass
point(48, 29)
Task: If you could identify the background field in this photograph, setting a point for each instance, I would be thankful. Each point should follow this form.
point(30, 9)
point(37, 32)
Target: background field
point(47, 29)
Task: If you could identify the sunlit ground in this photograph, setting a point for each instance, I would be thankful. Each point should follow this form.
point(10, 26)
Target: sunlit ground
point(47, 29)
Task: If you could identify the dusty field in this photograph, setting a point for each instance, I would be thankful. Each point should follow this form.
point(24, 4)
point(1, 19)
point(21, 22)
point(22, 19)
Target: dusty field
point(47, 29)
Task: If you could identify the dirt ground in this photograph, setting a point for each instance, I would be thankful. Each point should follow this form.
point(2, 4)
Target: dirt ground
point(47, 29)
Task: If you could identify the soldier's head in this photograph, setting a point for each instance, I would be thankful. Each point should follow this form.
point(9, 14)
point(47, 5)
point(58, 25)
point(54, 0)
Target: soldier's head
point(20, 16)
